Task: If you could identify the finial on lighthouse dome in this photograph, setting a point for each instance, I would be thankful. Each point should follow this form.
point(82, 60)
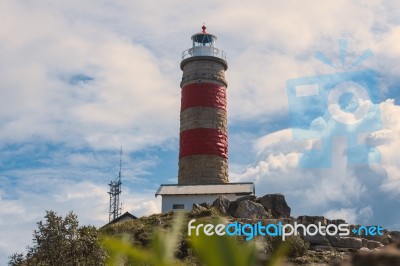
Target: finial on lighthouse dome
point(204, 28)
point(204, 45)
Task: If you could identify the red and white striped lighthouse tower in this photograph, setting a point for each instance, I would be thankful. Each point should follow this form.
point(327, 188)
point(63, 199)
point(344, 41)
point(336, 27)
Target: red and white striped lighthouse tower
point(203, 145)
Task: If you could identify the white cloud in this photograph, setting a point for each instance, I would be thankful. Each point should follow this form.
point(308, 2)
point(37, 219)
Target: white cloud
point(366, 214)
point(280, 142)
point(349, 215)
point(127, 89)
point(389, 144)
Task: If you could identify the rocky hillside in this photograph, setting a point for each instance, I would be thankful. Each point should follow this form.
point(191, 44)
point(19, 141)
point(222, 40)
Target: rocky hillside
point(317, 249)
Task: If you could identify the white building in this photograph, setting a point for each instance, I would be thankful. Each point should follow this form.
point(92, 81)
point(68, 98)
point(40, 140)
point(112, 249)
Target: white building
point(182, 197)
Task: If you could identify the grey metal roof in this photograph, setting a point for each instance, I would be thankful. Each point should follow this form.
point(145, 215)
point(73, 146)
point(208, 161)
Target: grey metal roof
point(244, 188)
point(122, 217)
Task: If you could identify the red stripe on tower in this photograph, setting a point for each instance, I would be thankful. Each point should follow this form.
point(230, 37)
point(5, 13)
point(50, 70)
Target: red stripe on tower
point(203, 141)
point(203, 94)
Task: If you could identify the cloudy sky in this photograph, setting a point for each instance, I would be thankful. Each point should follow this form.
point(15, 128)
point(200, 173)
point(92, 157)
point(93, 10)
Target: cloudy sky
point(80, 79)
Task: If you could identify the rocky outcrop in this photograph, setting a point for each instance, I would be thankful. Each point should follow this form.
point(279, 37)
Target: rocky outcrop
point(222, 204)
point(250, 210)
point(205, 205)
point(317, 240)
point(273, 203)
point(276, 204)
point(322, 248)
point(277, 220)
point(273, 209)
point(385, 238)
point(198, 207)
point(348, 242)
point(395, 236)
point(389, 255)
point(306, 220)
point(371, 244)
point(234, 204)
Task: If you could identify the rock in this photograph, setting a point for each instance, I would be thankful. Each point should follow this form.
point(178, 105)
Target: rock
point(338, 221)
point(317, 240)
point(395, 236)
point(385, 238)
point(248, 197)
point(371, 244)
point(234, 204)
point(276, 221)
point(364, 242)
point(276, 203)
point(232, 208)
point(306, 220)
point(389, 255)
point(222, 204)
point(205, 205)
point(198, 207)
point(347, 242)
point(249, 209)
point(321, 248)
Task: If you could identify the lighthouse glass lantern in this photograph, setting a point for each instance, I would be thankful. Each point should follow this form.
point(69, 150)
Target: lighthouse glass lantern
point(203, 45)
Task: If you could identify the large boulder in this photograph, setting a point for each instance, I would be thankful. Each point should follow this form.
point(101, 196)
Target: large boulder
point(316, 240)
point(306, 220)
point(321, 248)
point(249, 209)
point(389, 255)
point(371, 244)
point(346, 242)
point(247, 197)
point(198, 207)
point(338, 221)
point(205, 205)
point(395, 236)
point(385, 238)
point(276, 203)
point(270, 220)
point(234, 204)
point(222, 204)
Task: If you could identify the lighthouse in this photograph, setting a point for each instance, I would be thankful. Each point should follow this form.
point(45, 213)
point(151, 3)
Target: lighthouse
point(203, 132)
point(203, 138)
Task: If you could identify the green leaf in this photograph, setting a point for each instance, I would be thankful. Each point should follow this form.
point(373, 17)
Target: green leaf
point(223, 250)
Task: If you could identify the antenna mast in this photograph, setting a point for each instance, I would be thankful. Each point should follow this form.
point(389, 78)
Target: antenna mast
point(115, 191)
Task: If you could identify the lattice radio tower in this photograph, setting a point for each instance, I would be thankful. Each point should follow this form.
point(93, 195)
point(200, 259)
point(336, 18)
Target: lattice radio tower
point(115, 191)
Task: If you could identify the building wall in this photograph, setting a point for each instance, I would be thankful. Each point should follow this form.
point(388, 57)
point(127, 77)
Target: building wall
point(126, 219)
point(169, 200)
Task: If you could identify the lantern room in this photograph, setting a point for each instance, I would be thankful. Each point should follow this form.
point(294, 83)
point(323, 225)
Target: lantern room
point(203, 38)
point(203, 45)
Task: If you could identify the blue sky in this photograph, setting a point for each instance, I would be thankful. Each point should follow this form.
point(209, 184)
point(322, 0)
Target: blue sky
point(78, 80)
